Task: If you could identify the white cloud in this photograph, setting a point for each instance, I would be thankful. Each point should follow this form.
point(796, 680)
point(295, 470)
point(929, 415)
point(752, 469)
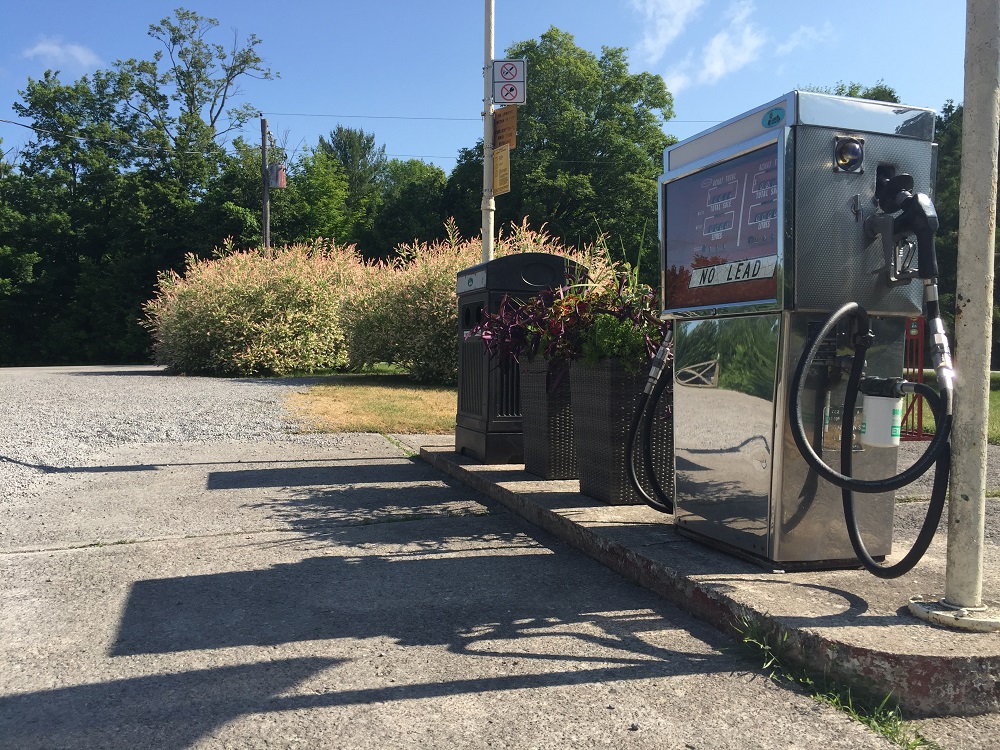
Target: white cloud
point(679, 76)
point(53, 52)
point(729, 50)
point(665, 21)
point(805, 35)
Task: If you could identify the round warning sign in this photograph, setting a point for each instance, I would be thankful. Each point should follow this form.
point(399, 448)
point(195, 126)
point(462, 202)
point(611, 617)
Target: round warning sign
point(511, 93)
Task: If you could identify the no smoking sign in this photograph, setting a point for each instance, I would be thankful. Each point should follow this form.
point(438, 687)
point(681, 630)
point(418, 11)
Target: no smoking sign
point(508, 81)
point(511, 93)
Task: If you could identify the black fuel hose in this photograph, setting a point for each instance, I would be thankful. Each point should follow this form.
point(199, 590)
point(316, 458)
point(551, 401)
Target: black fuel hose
point(647, 406)
point(942, 468)
point(937, 453)
point(909, 475)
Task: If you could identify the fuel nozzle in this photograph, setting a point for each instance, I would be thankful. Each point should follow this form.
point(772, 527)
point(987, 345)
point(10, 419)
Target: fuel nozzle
point(918, 216)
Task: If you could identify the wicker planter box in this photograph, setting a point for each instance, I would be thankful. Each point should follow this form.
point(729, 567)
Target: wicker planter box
point(547, 419)
point(604, 398)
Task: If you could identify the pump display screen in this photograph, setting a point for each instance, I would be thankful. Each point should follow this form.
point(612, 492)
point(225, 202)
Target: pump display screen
point(721, 233)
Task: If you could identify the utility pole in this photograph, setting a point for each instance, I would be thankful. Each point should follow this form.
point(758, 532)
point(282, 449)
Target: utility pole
point(265, 217)
point(962, 606)
point(489, 204)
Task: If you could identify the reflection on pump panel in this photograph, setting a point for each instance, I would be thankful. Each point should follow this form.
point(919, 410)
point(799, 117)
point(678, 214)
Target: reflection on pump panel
point(701, 375)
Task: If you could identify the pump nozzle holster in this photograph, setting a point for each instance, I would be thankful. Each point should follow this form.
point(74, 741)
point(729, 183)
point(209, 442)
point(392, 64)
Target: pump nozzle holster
point(916, 216)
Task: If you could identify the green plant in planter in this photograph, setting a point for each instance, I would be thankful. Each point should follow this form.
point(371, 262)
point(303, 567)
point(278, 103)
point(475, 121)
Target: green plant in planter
point(614, 317)
point(617, 345)
point(612, 337)
point(623, 324)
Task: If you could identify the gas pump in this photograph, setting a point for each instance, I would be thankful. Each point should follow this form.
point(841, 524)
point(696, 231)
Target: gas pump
point(796, 239)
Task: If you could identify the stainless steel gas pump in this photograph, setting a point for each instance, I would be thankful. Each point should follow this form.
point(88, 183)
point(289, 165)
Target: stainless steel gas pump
point(796, 240)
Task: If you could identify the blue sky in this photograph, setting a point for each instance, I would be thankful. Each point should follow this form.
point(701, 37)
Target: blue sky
point(411, 72)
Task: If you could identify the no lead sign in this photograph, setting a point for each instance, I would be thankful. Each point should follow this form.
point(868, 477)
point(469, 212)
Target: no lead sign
point(508, 81)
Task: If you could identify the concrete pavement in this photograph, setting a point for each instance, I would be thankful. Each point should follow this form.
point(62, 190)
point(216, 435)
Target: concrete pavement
point(843, 623)
point(331, 591)
point(342, 594)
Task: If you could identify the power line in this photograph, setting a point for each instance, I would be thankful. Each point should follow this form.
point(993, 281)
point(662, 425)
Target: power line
point(420, 156)
point(91, 139)
point(421, 117)
point(373, 117)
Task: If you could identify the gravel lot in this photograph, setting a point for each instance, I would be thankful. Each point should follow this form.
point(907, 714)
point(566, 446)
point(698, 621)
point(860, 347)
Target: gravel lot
point(57, 417)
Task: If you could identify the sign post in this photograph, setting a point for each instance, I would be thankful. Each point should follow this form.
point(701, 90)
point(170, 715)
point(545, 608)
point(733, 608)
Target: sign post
point(488, 204)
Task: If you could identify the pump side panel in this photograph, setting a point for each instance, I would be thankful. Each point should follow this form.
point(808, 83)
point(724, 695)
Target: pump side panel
point(724, 385)
point(808, 516)
point(834, 263)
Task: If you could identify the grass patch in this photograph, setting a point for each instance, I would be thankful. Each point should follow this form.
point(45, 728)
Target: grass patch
point(760, 644)
point(381, 402)
point(993, 418)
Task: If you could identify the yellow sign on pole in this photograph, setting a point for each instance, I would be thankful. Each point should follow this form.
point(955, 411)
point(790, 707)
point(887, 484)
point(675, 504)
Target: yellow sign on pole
point(501, 170)
point(505, 126)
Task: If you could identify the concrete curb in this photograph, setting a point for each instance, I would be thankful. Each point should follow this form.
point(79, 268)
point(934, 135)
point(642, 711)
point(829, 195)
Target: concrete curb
point(955, 676)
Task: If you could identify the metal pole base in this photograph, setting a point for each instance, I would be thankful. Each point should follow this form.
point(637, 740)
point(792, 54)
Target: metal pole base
point(939, 612)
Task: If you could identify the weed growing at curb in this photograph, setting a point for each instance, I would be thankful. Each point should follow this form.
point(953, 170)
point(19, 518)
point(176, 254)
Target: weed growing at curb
point(761, 644)
point(410, 453)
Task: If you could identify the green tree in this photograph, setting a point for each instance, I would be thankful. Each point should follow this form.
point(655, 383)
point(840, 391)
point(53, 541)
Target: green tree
point(17, 263)
point(76, 192)
point(409, 207)
point(186, 98)
point(312, 205)
point(364, 164)
point(589, 148)
point(107, 193)
point(948, 134)
point(231, 206)
point(320, 190)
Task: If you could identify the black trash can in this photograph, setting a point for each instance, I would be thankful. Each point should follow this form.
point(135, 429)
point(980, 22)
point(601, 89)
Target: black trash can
point(488, 423)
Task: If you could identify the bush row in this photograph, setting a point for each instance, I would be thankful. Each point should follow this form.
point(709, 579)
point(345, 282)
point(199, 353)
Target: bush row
point(320, 307)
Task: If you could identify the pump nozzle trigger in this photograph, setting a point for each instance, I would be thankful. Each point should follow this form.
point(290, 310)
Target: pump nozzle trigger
point(917, 216)
point(897, 269)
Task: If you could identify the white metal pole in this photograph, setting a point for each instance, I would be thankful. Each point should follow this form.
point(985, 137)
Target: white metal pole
point(974, 295)
point(962, 605)
point(489, 204)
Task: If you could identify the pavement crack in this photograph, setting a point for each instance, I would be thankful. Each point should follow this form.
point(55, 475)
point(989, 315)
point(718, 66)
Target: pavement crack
point(300, 528)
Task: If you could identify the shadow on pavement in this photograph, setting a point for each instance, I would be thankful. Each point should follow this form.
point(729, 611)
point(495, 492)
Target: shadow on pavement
point(564, 622)
point(157, 712)
point(454, 599)
point(477, 586)
point(346, 473)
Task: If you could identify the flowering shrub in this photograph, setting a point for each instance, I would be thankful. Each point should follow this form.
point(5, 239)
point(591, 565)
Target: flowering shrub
point(308, 308)
point(405, 311)
point(254, 313)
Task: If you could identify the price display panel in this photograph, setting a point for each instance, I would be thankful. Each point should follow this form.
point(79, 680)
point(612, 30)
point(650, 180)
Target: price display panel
point(722, 233)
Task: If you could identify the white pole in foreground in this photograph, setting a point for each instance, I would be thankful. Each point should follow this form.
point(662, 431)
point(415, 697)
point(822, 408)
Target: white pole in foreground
point(962, 606)
point(489, 204)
